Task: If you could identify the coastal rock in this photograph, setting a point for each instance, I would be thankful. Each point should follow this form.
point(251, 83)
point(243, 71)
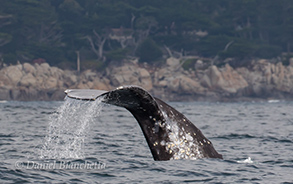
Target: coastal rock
point(212, 78)
point(42, 69)
point(28, 68)
point(284, 78)
point(51, 83)
point(40, 81)
point(162, 83)
point(58, 94)
point(131, 75)
point(34, 82)
point(225, 79)
point(173, 84)
point(172, 62)
point(15, 93)
point(69, 79)
point(267, 78)
point(262, 79)
point(145, 79)
point(4, 80)
point(90, 84)
point(189, 86)
point(4, 93)
point(28, 80)
point(232, 81)
point(82, 85)
point(89, 75)
point(27, 94)
point(177, 82)
point(56, 72)
point(98, 84)
point(124, 75)
point(14, 73)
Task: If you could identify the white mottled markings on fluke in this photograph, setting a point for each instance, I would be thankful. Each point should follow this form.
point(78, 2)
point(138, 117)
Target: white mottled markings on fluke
point(68, 127)
point(181, 143)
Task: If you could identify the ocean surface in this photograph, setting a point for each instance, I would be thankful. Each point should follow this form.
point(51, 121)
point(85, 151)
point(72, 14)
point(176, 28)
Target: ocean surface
point(87, 142)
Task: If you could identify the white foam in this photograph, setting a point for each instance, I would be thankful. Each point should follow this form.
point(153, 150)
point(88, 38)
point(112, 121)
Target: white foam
point(68, 128)
point(273, 101)
point(246, 161)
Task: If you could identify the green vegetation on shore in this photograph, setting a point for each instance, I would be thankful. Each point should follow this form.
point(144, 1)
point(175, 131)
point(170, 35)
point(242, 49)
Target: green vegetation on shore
point(103, 31)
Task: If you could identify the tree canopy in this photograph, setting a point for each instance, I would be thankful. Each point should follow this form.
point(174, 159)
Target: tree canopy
point(100, 30)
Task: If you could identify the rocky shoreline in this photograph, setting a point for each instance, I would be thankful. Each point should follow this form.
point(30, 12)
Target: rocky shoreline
point(264, 80)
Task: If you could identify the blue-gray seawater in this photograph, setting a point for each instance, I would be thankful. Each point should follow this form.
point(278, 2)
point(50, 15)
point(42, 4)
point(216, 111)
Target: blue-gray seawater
point(76, 141)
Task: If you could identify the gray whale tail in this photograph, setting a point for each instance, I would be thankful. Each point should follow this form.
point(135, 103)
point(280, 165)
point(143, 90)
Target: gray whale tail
point(169, 134)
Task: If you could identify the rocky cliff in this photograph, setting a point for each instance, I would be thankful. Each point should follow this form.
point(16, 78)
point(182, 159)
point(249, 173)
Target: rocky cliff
point(170, 82)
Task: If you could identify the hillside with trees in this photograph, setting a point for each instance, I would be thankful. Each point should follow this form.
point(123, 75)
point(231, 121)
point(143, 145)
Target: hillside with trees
point(99, 31)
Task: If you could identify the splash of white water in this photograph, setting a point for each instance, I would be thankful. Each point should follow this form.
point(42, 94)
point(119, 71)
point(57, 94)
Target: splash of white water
point(68, 129)
point(246, 161)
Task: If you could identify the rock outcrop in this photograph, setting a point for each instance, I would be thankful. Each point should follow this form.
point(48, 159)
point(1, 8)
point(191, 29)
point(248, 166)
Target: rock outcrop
point(267, 79)
point(43, 82)
point(130, 74)
point(170, 82)
point(173, 80)
point(225, 79)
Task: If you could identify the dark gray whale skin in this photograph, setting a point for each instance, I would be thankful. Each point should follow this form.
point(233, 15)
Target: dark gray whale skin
point(154, 117)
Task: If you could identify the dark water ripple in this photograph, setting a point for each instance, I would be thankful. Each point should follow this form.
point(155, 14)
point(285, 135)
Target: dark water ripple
point(262, 131)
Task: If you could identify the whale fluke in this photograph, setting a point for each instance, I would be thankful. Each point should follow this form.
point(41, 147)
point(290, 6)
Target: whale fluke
point(169, 134)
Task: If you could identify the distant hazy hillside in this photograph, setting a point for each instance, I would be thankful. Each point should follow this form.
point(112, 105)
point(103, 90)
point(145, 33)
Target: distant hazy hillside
point(101, 31)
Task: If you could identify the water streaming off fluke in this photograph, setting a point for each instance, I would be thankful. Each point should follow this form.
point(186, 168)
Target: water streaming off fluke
point(68, 128)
